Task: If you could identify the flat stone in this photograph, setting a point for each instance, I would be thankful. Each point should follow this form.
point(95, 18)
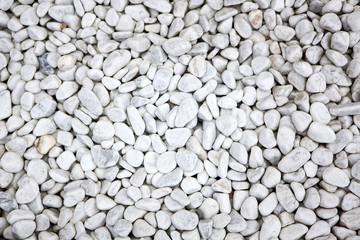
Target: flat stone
point(177, 137)
point(28, 190)
point(335, 176)
point(294, 160)
point(321, 133)
point(90, 101)
point(351, 219)
point(23, 229)
point(189, 83)
point(142, 229)
point(58, 12)
point(176, 46)
point(116, 61)
point(286, 198)
point(187, 111)
point(186, 159)
point(5, 100)
point(11, 162)
point(43, 109)
point(171, 179)
point(293, 231)
point(185, 220)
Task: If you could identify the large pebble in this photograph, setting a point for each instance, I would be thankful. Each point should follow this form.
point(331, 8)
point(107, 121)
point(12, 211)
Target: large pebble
point(294, 160)
point(321, 133)
point(335, 176)
point(184, 220)
point(28, 190)
point(176, 46)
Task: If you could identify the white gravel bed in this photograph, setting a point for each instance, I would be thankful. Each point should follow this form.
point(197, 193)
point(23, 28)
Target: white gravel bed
point(184, 119)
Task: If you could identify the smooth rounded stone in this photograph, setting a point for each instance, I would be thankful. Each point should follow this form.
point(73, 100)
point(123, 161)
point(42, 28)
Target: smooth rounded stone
point(104, 158)
point(148, 204)
point(73, 196)
point(142, 229)
point(116, 61)
point(104, 203)
point(177, 137)
point(301, 120)
point(255, 18)
point(293, 231)
point(205, 227)
point(5, 100)
point(162, 78)
point(43, 109)
point(37, 169)
point(189, 83)
point(321, 133)
point(184, 220)
point(138, 44)
point(18, 215)
point(28, 190)
point(162, 6)
point(90, 101)
point(320, 113)
point(242, 27)
point(249, 208)
point(265, 81)
point(66, 62)
point(322, 156)
point(209, 208)
point(122, 227)
point(236, 222)
point(29, 17)
point(340, 41)
point(294, 160)
point(58, 12)
point(343, 138)
point(11, 162)
point(23, 229)
point(270, 228)
point(45, 143)
point(176, 46)
point(320, 228)
point(226, 124)
point(7, 202)
point(303, 68)
point(350, 201)
point(352, 21)
point(330, 22)
point(221, 220)
point(284, 33)
point(316, 83)
point(335, 176)
point(355, 170)
point(268, 205)
point(103, 130)
point(312, 198)
point(337, 58)
point(124, 133)
point(186, 112)
point(170, 179)
point(197, 66)
point(351, 219)
point(45, 67)
point(260, 64)
point(286, 198)
point(305, 216)
point(186, 159)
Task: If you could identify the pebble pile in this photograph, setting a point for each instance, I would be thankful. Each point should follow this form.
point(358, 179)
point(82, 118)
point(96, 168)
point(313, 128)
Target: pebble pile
point(184, 119)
